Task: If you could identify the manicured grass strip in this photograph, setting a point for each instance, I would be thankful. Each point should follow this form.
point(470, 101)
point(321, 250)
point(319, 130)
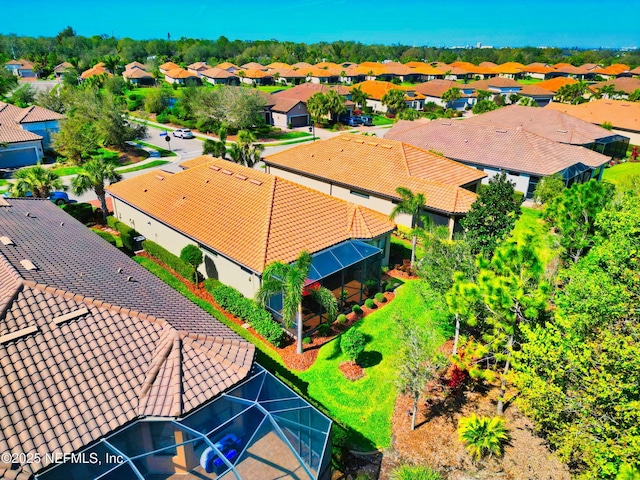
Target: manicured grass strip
point(163, 151)
point(381, 120)
point(289, 135)
point(290, 142)
point(155, 163)
point(366, 405)
point(530, 81)
point(64, 171)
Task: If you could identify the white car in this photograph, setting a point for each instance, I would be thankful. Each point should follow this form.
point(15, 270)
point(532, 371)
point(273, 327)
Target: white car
point(182, 133)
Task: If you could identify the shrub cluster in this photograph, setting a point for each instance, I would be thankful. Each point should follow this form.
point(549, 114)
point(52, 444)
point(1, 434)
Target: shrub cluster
point(356, 309)
point(169, 259)
point(83, 212)
point(342, 318)
point(380, 297)
point(248, 310)
point(127, 234)
point(369, 303)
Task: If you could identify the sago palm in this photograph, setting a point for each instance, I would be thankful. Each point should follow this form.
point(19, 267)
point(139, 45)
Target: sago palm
point(93, 175)
point(288, 279)
point(483, 435)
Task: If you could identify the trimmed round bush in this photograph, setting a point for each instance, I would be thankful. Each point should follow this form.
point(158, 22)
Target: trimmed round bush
point(306, 340)
point(369, 303)
point(356, 309)
point(380, 297)
point(352, 343)
point(342, 318)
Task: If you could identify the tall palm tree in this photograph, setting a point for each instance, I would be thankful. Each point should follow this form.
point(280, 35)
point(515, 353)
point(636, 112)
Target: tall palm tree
point(37, 180)
point(93, 175)
point(289, 280)
point(317, 106)
point(411, 204)
point(359, 97)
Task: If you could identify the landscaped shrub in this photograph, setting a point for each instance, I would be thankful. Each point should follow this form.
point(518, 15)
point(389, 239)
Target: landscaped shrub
point(324, 329)
point(106, 235)
point(248, 310)
point(483, 435)
point(168, 258)
point(381, 298)
point(356, 309)
point(369, 303)
point(162, 118)
point(127, 235)
point(352, 344)
point(417, 472)
point(83, 212)
point(342, 318)
point(518, 196)
point(211, 283)
point(306, 340)
point(112, 222)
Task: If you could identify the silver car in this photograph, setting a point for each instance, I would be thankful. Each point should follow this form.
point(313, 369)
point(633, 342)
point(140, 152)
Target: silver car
point(182, 133)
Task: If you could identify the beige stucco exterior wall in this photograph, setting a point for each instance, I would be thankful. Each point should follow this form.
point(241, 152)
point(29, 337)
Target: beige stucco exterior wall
point(214, 265)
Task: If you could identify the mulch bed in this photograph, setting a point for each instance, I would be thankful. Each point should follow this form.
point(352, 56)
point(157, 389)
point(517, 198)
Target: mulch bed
point(351, 371)
point(288, 353)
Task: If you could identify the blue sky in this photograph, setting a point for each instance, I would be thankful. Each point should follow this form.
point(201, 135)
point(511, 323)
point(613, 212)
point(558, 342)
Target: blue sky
point(585, 23)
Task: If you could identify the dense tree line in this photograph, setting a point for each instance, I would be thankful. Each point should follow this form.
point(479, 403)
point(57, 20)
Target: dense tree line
point(84, 52)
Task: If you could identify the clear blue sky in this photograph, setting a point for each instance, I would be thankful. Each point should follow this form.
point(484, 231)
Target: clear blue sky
point(565, 23)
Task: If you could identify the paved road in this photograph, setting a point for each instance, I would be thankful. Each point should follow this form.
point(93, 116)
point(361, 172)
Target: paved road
point(41, 85)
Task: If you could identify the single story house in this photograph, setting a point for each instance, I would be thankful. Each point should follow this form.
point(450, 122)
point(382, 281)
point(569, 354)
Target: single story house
point(253, 66)
point(526, 157)
point(197, 68)
point(555, 84)
point(541, 96)
point(229, 67)
point(60, 69)
point(243, 219)
point(37, 120)
point(289, 113)
point(109, 373)
point(219, 76)
point(167, 67)
point(22, 68)
point(288, 76)
point(97, 69)
point(367, 171)
point(538, 70)
point(434, 89)
point(377, 89)
point(623, 85)
point(255, 76)
point(321, 75)
point(138, 77)
point(499, 85)
point(624, 116)
point(132, 65)
point(557, 126)
point(180, 76)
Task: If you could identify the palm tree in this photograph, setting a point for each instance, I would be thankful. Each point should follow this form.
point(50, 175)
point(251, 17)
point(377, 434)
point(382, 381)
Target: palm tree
point(411, 204)
point(335, 104)
point(606, 91)
point(359, 97)
point(454, 94)
point(288, 279)
point(394, 100)
point(37, 180)
point(317, 106)
point(93, 175)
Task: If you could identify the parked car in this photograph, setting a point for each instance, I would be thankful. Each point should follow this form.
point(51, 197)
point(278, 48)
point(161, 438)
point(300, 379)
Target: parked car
point(182, 133)
point(367, 121)
point(59, 198)
point(354, 121)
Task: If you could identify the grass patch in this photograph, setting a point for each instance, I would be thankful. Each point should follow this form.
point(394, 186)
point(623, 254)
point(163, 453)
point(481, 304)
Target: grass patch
point(155, 163)
point(623, 174)
point(288, 135)
point(163, 151)
point(366, 406)
point(381, 120)
point(64, 171)
point(530, 81)
point(531, 223)
point(291, 142)
point(114, 240)
point(272, 88)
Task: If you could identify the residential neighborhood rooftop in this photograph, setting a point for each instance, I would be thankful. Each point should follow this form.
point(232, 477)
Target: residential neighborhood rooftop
point(620, 113)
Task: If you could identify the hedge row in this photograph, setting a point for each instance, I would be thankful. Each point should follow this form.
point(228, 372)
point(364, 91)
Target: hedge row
point(127, 234)
point(169, 259)
point(248, 310)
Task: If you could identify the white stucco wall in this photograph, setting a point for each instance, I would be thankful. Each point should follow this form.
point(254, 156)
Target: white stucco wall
point(521, 181)
point(227, 271)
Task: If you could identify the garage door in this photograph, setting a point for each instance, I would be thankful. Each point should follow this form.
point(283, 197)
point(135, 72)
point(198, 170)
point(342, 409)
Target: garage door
point(18, 158)
point(299, 121)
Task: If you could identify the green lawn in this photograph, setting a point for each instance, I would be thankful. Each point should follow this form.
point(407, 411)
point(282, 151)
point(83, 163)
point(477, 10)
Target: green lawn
point(272, 88)
point(622, 174)
point(531, 81)
point(381, 120)
point(366, 405)
point(155, 163)
point(289, 135)
point(114, 240)
point(163, 151)
point(64, 171)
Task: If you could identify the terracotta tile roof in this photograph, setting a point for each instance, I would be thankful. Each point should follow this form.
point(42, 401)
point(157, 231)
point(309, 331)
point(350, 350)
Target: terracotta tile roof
point(84, 351)
point(435, 88)
point(62, 67)
point(284, 104)
point(635, 71)
point(429, 70)
point(253, 73)
point(305, 91)
point(571, 70)
point(35, 114)
point(227, 65)
point(321, 72)
point(168, 66)
point(136, 73)
point(346, 159)
point(615, 69)
point(624, 84)
point(509, 148)
point(217, 73)
point(535, 91)
point(376, 88)
point(253, 66)
point(301, 65)
point(284, 66)
point(562, 64)
point(488, 64)
point(329, 65)
point(9, 113)
point(497, 82)
point(10, 134)
point(259, 217)
point(25, 64)
point(179, 73)
point(288, 73)
point(621, 114)
point(198, 66)
point(133, 65)
point(93, 71)
point(417, 64)
point(549, 124)
point(538, 68)
point(555, 84)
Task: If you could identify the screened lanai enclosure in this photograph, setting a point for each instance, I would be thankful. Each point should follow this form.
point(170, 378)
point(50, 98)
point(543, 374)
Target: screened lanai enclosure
point(259, 430)
point(351, 270)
